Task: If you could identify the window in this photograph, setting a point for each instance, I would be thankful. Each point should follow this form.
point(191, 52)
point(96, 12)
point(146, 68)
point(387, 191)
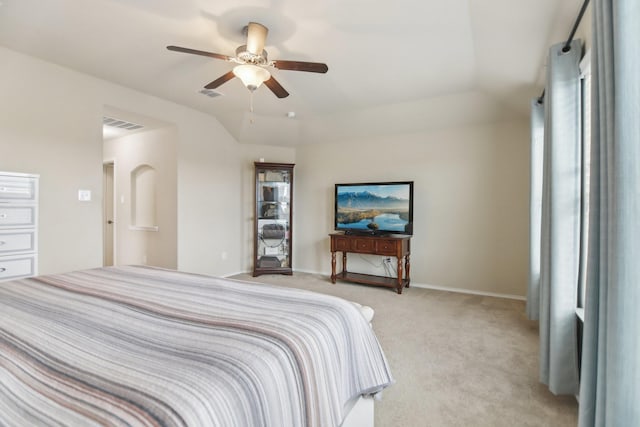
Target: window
point(585, 68)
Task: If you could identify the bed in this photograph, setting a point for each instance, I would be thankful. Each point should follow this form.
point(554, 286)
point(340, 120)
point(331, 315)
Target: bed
point(144, 346)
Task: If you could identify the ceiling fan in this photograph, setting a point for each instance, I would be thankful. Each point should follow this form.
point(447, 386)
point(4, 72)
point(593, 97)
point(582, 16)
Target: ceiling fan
point(252, 60)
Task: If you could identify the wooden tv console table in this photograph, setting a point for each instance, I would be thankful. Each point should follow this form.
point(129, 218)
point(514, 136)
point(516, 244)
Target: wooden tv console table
point(398, 246)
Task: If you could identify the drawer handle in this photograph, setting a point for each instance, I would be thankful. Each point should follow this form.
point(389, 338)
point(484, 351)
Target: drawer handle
point(3, 189)
point(2, 242)
point(2, 269)
point(3, 216)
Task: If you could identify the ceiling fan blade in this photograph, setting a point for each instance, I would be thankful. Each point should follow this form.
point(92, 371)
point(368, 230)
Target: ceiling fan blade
point(276, 88)
point(256, 37)
point(314, 67)
point(199, 52)
point(220, 80)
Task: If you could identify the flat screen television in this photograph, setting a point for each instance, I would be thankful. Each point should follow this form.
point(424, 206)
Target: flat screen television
point(374, 208)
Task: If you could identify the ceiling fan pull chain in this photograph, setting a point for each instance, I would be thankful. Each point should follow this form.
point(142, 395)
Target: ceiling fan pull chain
point(251, 107)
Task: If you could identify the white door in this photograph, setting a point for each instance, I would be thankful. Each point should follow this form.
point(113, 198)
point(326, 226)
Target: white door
point(108, 216)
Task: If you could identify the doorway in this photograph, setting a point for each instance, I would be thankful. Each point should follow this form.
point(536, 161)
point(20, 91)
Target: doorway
point(130, 235)
point(108, 216)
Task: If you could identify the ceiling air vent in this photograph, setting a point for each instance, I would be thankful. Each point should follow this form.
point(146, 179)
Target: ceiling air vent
point(121, 124)
point(210, 93)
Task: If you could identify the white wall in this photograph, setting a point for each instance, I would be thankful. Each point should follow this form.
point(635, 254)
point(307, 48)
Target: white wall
point(471, 183)
point(48, 127)
point(157, 149)
point(585, 29)
point(51, 124)
point(471, 203)
point(216, 202)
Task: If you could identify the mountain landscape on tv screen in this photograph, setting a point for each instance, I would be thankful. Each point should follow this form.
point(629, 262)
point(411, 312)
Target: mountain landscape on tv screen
point(369, 200)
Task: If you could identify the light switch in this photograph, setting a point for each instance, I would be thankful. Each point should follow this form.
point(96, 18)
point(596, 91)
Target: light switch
point(84, 195)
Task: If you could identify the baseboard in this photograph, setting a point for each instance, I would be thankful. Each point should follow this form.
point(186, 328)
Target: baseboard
point(226, 276)
point(468, 291)
point(419, 285)
point(444, 288)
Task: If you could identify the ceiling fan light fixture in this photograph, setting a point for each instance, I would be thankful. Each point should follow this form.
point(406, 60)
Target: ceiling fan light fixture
point(252, 76)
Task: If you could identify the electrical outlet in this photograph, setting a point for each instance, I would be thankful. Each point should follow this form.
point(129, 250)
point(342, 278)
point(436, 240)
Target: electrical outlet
point(84, 195)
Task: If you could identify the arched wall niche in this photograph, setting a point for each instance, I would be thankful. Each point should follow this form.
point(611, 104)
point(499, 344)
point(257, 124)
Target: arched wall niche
point(143, 198)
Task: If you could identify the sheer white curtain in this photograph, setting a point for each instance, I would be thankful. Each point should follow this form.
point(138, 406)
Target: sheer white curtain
point(610, 383)
point(535, 208)
point(560, 223)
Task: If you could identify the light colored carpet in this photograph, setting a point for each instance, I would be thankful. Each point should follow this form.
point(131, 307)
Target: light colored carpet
point(458, 360)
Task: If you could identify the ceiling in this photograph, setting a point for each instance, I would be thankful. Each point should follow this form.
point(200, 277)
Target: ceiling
point(394, 67)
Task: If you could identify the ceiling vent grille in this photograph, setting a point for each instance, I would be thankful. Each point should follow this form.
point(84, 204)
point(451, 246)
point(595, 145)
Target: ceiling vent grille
point(121, 124)
point(211, 93)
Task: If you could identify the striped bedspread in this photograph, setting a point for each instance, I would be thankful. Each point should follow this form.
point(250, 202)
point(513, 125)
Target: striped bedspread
point(139, 346)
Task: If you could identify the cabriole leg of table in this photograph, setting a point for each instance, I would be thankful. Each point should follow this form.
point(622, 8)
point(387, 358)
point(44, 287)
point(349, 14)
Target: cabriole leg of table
point(333, 268)
point(399, 287)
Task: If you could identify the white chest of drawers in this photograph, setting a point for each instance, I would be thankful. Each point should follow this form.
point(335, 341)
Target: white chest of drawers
point(18, 225)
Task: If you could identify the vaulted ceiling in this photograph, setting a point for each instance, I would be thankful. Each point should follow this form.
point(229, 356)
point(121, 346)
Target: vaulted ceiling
point(394, 67)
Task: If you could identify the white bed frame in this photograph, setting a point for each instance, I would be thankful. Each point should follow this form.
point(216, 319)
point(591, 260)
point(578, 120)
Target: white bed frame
point(362, 413)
